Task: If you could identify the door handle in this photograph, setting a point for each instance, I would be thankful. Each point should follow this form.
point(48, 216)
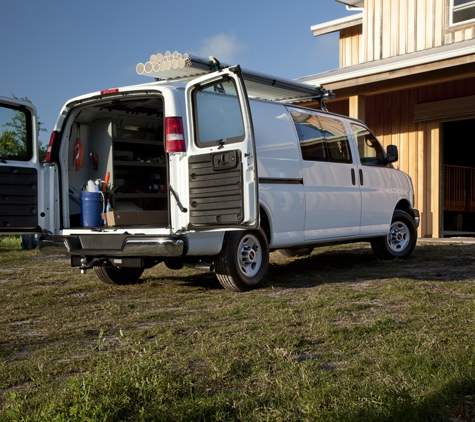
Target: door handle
point(361, 177)
point(353, 179)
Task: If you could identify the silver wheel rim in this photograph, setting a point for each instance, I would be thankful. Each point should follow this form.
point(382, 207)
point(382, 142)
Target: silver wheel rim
point(398, 237)
point(249, 255)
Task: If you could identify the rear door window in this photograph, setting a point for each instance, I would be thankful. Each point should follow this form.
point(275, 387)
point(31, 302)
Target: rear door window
point(15, 133)
point(218, 115)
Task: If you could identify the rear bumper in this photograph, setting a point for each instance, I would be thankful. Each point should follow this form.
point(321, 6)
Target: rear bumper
point(113, 245)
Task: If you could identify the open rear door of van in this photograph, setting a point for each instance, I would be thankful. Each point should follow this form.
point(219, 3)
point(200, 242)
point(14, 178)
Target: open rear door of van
point(222, 167)
point(19, 167)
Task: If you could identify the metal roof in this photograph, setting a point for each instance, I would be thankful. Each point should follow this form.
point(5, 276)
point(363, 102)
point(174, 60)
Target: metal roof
point(183, 67)
point(432, 55)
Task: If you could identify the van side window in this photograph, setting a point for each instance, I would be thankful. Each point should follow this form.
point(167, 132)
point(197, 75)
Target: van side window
point(322, 138)
point(337, 140)
point(218, 115)
point(370, 150)
point(311, 137)
point(15, 133)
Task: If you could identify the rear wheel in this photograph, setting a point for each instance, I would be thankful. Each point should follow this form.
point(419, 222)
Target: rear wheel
point(242, 263)
point(116, 275)
point(401, 239)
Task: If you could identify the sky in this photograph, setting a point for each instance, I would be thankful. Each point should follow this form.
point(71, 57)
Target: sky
point(54, 50)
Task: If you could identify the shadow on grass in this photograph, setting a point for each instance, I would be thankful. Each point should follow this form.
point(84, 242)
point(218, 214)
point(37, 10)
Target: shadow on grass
point(453, 403)
point(204, 280)
point(439, 263)
point(443, 263)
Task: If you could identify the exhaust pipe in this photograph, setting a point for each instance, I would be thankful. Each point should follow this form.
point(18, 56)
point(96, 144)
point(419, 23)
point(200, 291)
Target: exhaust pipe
point(204, 266)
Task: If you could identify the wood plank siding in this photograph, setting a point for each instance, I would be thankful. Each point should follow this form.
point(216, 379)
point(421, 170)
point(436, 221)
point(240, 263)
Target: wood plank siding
point(409, 72)
point(391, 117)
point(397, 27)
point(351, 46)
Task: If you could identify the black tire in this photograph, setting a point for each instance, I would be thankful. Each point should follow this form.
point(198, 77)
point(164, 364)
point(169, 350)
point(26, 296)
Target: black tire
point(120, 276)
point(401, 239)
point(242, 263)
point(291, 253)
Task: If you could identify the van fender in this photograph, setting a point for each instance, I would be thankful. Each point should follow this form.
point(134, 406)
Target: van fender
point(403, 204)
point(266, 221)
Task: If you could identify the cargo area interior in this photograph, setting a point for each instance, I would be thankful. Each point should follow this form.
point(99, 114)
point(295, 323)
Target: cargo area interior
point(122, 140)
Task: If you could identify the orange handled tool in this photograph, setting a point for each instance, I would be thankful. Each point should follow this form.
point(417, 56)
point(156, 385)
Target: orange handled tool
point(106, 182)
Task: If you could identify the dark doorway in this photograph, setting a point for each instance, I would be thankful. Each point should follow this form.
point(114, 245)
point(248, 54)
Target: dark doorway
point(459, 178)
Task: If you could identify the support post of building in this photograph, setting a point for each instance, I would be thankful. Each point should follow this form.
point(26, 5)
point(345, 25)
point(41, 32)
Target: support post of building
point(357, 107)
point(435, 182)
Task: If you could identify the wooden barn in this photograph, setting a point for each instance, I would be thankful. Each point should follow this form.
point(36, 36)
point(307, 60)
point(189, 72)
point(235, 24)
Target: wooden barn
point(407, 68)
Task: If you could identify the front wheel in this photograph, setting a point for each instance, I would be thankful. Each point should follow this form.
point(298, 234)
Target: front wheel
point(116, 275)
point(242, 263)
point(401, 239)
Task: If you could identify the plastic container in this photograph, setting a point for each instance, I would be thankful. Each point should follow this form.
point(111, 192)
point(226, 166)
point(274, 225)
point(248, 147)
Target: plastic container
point(91, 209)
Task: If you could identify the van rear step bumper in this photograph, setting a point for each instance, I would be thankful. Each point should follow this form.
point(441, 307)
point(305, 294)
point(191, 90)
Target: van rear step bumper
point(113, 245)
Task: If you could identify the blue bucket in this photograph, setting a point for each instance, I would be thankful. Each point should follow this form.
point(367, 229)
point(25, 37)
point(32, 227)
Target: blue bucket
point(91, 209)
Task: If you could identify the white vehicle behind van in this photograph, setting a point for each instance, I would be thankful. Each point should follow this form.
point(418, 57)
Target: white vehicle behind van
point(213, 174)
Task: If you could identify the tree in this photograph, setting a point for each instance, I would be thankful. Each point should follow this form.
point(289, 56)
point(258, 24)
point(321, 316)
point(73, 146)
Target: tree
point(9, 143)
point(13, 140)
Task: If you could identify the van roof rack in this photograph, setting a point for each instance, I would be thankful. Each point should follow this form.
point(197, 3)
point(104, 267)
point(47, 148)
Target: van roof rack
point(177, 67)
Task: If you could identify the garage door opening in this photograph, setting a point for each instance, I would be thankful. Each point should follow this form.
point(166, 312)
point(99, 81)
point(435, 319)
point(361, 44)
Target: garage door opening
point(459, 178)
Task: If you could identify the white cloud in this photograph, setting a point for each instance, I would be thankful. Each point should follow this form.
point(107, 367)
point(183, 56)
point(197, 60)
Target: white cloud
point(225, 47)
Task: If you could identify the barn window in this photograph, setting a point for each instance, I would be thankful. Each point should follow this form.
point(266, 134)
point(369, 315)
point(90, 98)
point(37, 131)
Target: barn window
point(462, 11)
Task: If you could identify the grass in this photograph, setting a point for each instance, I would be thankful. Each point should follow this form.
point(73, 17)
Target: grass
point(334, 336)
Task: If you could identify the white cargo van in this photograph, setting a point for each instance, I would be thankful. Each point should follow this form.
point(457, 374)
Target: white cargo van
point(201, 175)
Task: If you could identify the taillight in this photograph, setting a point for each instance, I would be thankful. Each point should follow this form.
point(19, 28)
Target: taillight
point(52, 140)
point(174, 135)
point(110, 91)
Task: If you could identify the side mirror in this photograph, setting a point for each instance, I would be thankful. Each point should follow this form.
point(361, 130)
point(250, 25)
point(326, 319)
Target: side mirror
point(392, 154)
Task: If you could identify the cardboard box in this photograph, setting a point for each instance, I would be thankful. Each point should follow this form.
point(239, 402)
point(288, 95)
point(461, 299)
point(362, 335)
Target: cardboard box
point(135, 218)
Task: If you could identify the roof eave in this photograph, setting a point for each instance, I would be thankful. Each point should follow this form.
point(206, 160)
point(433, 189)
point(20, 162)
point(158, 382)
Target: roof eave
point(353, 3)
point(354, 72)
point(337, 24)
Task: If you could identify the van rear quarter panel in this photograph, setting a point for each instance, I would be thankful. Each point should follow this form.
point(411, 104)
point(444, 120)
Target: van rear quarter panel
point(280, 172)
